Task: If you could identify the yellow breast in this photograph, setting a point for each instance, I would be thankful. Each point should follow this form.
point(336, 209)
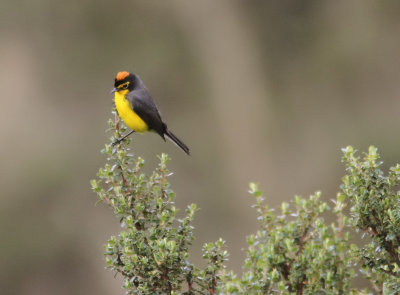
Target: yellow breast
point(131, 119)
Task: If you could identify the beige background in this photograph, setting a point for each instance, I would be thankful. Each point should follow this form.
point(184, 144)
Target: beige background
point(264, 91)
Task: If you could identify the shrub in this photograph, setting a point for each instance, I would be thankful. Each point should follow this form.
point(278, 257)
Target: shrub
point(295, 251)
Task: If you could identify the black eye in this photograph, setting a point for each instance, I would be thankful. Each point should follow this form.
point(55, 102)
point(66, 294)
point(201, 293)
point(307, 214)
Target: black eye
point(123, 86)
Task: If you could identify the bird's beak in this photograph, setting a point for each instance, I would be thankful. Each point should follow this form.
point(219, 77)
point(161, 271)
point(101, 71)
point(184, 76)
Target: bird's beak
point(115, 89)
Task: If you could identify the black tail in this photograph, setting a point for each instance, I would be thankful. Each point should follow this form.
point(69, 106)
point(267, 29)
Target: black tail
point(177, 141)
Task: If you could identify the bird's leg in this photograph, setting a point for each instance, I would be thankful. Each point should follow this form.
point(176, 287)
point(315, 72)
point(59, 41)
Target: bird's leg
point(122, 138)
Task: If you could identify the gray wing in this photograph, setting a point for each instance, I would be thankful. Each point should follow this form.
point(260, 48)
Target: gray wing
point(143, 105)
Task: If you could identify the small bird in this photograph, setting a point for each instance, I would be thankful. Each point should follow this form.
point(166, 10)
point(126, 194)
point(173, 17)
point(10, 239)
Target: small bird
point(138, 110)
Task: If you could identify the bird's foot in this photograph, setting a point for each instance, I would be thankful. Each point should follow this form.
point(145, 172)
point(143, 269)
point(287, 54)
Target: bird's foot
point(119, 140)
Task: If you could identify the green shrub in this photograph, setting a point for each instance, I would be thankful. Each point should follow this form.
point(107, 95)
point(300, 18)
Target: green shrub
point(295, 251)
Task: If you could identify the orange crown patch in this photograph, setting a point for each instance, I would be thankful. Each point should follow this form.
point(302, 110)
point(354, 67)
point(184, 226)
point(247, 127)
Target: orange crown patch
point(122, 75)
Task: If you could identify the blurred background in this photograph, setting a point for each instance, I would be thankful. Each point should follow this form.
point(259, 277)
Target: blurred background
point(264, 91)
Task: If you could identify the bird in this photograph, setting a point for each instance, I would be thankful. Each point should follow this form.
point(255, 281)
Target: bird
point(136, 107)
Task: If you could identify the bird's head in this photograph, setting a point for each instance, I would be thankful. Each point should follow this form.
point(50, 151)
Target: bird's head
point(124, 81)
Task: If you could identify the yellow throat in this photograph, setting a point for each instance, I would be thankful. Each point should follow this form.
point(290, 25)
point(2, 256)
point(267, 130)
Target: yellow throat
point(131, 119)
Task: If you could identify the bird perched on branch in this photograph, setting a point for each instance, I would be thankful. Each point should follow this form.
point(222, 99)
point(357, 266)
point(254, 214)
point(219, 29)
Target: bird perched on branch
point(138, 110)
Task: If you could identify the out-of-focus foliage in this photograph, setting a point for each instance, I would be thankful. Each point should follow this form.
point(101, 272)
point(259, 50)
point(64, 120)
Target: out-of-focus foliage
point(295, 251)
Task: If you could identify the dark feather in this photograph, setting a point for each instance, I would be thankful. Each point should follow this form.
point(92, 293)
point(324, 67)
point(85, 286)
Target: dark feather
point(143, 105)
point(177, 141)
